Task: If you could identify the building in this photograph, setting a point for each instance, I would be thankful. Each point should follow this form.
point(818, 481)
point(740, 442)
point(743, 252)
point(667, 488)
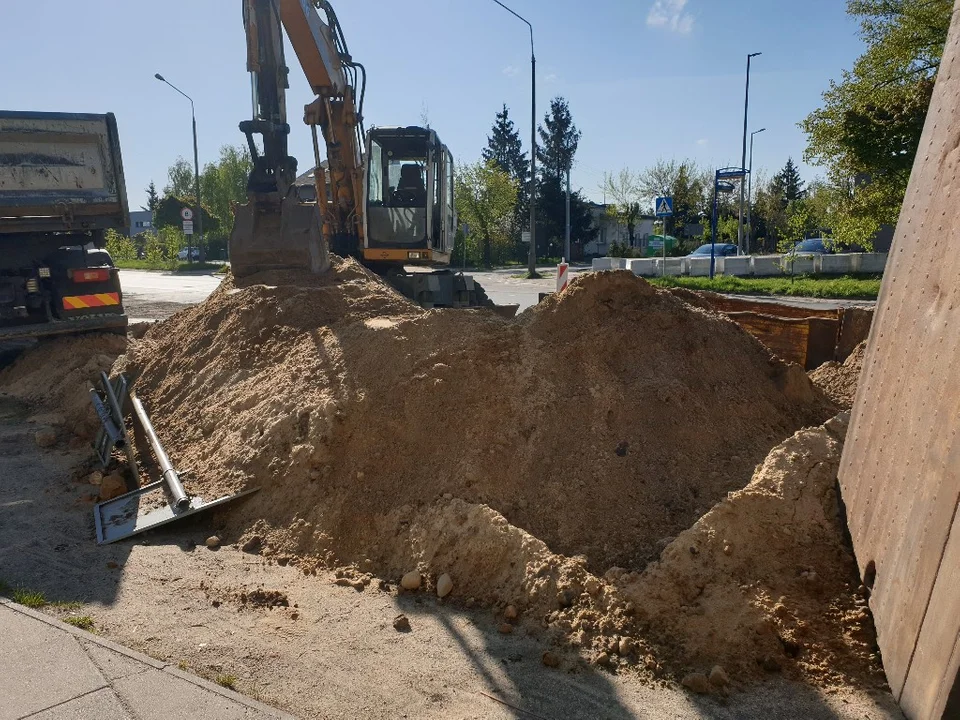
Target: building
point(141, 221)
point(611, 231)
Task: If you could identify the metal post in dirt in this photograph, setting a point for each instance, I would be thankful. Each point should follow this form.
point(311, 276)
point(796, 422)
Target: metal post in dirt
point(663, 229)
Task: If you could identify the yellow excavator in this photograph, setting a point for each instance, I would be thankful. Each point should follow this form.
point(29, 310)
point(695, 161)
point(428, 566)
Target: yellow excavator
point(384, 196)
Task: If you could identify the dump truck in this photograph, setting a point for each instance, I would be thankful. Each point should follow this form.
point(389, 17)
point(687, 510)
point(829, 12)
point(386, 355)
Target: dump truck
point(61, 189)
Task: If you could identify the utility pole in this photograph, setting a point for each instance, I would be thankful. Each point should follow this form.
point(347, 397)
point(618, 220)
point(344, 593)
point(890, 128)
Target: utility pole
point(532, 257)
point(750, 190)
point(743, 161)
point(196, 171)
point(566, 241)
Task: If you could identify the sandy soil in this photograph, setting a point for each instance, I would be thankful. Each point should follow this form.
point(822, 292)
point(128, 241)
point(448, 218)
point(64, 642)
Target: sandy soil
point(169, 596)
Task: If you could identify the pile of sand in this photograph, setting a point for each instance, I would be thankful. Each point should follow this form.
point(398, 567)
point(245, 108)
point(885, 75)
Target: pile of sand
point(599, 422)
point(839, 381)
point(766, 582)
point(54, 376)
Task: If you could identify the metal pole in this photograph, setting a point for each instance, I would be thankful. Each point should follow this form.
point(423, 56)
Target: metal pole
point(180, 499)
point(196, 167)
point(750, 191)
point(663, 229)
point(196, 188)
point(743, 160)
point(566, 242)
point(532, 258)
point(713, 226)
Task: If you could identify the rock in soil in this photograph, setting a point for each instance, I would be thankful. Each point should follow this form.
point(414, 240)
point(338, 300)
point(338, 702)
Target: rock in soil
point(95, 478)
point(45, 438)
point(401, 623)
point(718, 677)
point(444, 585)
point(550, 659)
point(213, 542)
point(505, 628)
point(112, 486)
point(510, 612)
point(697, 683)
point(410, 581)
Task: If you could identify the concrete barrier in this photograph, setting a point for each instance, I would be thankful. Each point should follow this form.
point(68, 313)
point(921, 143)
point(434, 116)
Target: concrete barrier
point(766, 265)
point(756, 265)
point(739, 265)
point(698, 267)
point(644, 267)
point(834, 264)
point(869, 262)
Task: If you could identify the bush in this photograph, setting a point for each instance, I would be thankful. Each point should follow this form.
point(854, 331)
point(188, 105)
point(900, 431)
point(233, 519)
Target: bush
point(120, 246)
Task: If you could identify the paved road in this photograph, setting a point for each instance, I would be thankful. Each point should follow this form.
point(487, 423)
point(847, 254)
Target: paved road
point(156, 295)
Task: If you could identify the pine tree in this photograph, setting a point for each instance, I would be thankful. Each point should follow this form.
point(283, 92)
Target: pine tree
point(787, 183)
point(153, 199)
point(505, 148)
point(559, 139)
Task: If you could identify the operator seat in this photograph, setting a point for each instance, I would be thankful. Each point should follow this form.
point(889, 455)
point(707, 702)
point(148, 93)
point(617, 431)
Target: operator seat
point(411, 191)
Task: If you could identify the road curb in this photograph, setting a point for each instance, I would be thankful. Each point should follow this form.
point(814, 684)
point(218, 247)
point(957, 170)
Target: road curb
point(263, 709)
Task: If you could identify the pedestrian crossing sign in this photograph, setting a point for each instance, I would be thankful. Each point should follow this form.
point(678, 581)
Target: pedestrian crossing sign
point(664, 207)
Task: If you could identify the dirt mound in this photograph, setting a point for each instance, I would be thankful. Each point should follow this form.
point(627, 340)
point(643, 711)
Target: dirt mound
point(54, 377)
point(600, 422)
point(839, 381)
point(765, 581)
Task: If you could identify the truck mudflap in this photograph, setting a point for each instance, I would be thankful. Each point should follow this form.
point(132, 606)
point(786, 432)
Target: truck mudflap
point(89, 324)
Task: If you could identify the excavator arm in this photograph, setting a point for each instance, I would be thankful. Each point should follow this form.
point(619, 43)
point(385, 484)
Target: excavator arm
point(275, 229)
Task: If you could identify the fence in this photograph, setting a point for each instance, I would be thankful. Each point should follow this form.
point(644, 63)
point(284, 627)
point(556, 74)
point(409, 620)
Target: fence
point(750, 266)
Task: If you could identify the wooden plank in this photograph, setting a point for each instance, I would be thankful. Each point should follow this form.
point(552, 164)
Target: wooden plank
point(785, 338)
point(900, 472)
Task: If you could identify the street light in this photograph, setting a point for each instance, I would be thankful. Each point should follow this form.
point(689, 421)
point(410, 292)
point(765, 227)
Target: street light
point(196, 168)
point(743, 160)
point(750, 190)
point(532, 258)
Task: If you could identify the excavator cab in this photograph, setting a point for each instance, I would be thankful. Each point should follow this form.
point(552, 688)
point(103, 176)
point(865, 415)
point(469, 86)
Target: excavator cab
point(410, 216)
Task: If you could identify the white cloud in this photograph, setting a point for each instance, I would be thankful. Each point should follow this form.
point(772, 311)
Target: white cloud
point(670, 14)
point(702, 141)
point(511, 70)
point(552, 77)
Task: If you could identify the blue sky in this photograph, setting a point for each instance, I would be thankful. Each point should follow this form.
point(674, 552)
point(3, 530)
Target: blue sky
point(644, 78)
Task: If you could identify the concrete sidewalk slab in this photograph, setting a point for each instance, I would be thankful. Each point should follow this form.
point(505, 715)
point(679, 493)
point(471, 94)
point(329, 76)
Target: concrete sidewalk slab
point(53, 671)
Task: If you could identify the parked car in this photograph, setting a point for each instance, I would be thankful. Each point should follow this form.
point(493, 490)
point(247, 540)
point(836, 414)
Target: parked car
point(191, 254)
point(719, 250)
point(814, 246)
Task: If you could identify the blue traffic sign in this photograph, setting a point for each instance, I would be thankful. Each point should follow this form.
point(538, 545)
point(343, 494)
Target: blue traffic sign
point(664, 207)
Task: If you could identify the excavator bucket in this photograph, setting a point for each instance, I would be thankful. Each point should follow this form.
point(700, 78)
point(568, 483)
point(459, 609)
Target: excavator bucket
point(277, 235)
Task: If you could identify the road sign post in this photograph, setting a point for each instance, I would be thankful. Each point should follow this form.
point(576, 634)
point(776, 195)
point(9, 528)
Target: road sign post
point(664, 209)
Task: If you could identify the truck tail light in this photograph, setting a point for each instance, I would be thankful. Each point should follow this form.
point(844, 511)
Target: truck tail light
point(44, 272)
point(33, 285)
point(87, 275)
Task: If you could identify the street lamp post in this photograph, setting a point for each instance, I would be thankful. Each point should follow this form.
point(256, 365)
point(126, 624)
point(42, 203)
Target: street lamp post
point(196, 169)
point(750, 190)
point(743, 160)
point(532, 258)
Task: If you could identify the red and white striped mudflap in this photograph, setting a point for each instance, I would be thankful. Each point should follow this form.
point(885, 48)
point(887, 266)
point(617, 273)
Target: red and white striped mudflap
point(563, 276)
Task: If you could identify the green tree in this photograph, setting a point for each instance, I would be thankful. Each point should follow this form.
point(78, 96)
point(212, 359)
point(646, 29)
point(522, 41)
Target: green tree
point(180, 179)
point(120, 246)
point(624, 189)
point(224, 183)
point(559, 139)
point(868, 129)
point(168, 210)
point(486, 197)
point(152, 198)
point(787, 183)
point(505, 148)
point(685, 183)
